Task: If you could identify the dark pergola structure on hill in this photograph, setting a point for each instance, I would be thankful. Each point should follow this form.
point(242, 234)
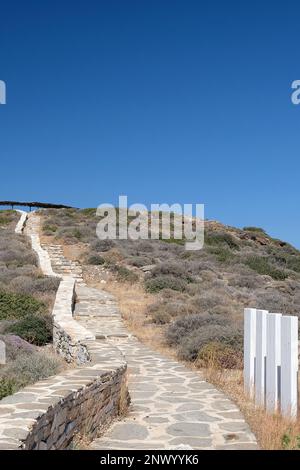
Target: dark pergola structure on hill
point(40, 205)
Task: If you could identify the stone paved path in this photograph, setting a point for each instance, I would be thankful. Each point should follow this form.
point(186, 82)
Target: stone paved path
point(172, 406)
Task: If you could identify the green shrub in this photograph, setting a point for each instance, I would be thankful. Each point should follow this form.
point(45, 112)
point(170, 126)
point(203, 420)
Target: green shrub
point(286, 260)
point(14, 306)
point(7, 216)
point(4, 220)
point(77, 234)
point(36, 330)
point(8, 386)
point(293, 263)
point(254, 229)
point(223, 254)
point(221, 238)
point(125, 275)
point(88, 211)
point(262, 266)
point(95, 260)
point(48, 228)
point(165, 282)
point(180, 241)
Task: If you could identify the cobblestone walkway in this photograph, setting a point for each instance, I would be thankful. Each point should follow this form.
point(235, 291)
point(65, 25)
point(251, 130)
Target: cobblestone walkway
point(172, 406)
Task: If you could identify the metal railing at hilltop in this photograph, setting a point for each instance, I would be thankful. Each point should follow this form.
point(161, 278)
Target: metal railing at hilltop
point(36, 205)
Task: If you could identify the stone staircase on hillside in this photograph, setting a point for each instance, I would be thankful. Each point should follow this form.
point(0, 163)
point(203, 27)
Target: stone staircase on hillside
point(98, 311)
point(172, 407)
point(62, 265)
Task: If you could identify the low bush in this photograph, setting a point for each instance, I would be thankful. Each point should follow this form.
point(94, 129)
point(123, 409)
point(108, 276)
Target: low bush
point(156, 284)
point(16, 346)
point(293, 263)
point(121, 273)
point(95, 259)
point(88, 211)
point(139, 261)
point(28, 369)
point(249, 281)
point(49, 229)
point(102, 245)
point(124, 274)
point(7, 217)
point(285, 260)
point(220, 356)
point(184, 326)
point(191, 345)
point(74, 234)
point(15, 253)
point(166, 309)
point(46, 284)
point(221, 238)
point(8, 386)
point(27, 285)
point(14, 305)
point(173, 269)
point(275, 301)
point(180, 241)
point(222, 254)
point(32, 328)
point(161, 317)
point(207, 300)
point(254, 229)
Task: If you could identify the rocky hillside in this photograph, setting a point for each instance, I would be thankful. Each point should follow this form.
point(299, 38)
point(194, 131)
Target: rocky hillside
point(198, 296)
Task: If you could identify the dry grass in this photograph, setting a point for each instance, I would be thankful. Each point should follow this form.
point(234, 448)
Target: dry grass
point(133, 302)
point(124, 400)
point(273, 432)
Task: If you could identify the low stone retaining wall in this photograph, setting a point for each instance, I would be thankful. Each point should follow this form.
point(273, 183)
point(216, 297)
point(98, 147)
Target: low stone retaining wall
point(69, 337)
point(43, 257)
point(49, 414)
point(21, 223)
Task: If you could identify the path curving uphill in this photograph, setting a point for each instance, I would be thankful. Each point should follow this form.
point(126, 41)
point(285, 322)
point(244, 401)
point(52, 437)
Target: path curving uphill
point(171, 407)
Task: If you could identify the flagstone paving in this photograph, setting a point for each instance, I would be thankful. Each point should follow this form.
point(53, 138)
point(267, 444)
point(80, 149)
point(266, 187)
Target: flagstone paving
point(171, 407)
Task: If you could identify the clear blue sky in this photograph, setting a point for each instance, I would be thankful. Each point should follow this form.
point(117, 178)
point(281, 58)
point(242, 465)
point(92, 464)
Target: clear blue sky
point(165, 101)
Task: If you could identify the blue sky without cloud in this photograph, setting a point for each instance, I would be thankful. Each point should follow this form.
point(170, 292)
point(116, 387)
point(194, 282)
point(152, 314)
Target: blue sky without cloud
point(165, 101)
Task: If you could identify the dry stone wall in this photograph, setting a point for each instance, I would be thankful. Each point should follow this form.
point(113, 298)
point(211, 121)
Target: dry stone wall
point(49, 414)
point(21, 222)
point(69, 337)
